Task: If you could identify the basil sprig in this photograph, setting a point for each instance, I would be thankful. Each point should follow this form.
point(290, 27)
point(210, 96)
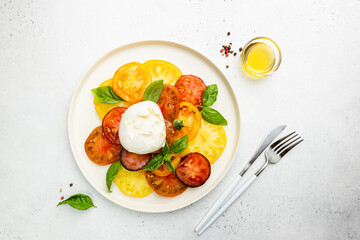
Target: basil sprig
point(209, 114)
point(209, 95)
point(153, 91)
point(178, 124)
point(78, 201)
point(106, 95)
point(111, 173)
point(176, 147)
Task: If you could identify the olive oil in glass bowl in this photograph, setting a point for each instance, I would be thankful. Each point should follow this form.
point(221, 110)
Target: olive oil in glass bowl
point(260, 57)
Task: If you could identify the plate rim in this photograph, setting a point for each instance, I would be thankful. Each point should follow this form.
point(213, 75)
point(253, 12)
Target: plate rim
point(150, 42)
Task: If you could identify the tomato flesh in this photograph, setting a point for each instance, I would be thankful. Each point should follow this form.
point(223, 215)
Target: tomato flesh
point(191, 89)
point(194, 169)
point(100, 150)
point(169, 102)
point(163, 169)
point(132, 161)
point(168, 186)
point(111, 123)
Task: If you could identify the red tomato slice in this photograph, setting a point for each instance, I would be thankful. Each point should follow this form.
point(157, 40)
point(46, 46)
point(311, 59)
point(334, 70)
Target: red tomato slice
point(169, 102)
point(191, 89)
point(168, 186)
point(194, 169)
point(110, 124)
point(100, 150)
point(170, 132)
point(132, 161)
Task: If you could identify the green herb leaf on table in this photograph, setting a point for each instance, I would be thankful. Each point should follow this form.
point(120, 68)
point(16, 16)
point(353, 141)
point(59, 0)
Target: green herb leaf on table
point(212, 116)
point(165, 149)
point(168, 163)
point(106, 95)
point(153, 91)
point(178, 124)
point(179, 145)
point(78, 201)
point(209, 95)
point(155, 163)
point(111, 173)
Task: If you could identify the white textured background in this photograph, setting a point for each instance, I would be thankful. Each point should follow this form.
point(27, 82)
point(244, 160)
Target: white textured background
point(46, 47)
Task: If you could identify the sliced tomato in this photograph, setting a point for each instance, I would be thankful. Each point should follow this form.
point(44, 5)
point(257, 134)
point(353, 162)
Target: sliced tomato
point(163, 169)
point(100, 150)
point(132, 183)
point(110, 124)
point(193, 170)
point(192, 121)
point(132, 161)
point(191, 89)
point(168, 186)
point(170, 132)
point(169, 102)
point(130, 81)
point(160, 69)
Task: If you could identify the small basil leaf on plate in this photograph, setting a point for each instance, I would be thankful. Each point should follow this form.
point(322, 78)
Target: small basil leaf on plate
point(78, 201)
point(168, 163)
point(106, 95)
point(111, 173)
point(212, 116)
point(153, 91)
point(154, 163)
point(165, 149)
point(209, 95)
point(178, 124)
point(179, 145)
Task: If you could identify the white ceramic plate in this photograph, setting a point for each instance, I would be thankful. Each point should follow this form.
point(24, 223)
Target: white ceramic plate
point(83, 119)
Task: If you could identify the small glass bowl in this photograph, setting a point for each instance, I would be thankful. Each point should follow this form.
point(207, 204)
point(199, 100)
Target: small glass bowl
point(274, 47)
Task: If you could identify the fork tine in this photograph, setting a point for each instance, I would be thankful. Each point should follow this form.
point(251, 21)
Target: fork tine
point(291, 147)
point(281, 147)
point(282, 143)
point(279, 141)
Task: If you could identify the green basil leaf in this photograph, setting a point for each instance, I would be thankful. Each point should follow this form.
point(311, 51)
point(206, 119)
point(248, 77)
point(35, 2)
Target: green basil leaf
point(209, 95)
point(178, 124)
point(106, 95)
point(111, 173)
point(165, 149)
point(153, 91)
point(168, 162)
point(78, 201)
point(212, 116)
point(154, 163)
point(179, 145)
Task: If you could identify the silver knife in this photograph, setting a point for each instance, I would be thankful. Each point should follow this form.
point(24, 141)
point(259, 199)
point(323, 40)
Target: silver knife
point(217, 204)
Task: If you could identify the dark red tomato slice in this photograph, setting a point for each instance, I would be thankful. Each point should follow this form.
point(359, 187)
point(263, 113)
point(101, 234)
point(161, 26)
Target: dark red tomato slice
point(168, 186)
point(132, 161)
point(110, 124)
point(100, 150)
point(191, 89)
point(170, 132)
point(169, 102)
point(194, 169)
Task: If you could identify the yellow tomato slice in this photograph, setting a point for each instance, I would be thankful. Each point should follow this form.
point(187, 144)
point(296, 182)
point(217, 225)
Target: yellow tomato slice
point(210, 141)
point(132, 183)
point(130, 81)
point(103, 108)
point(160, 69)
point(192, 121)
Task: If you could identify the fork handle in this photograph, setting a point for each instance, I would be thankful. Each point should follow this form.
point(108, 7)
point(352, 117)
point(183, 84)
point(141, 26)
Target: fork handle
point(218, 202)
point(228, 203)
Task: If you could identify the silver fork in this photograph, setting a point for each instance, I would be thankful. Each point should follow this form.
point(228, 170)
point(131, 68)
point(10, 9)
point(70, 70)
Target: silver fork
point(273, 155)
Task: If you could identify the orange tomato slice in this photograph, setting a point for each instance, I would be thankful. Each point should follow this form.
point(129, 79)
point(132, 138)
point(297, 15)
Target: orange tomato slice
point(192, 121)
point(160, 69)
point(103, 108)
point(130, 81)
point(163, 171)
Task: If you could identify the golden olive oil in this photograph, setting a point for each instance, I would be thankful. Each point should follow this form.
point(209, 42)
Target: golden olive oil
point(259, 58)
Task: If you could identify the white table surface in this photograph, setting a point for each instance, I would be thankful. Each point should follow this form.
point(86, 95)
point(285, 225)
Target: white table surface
point(46, 47)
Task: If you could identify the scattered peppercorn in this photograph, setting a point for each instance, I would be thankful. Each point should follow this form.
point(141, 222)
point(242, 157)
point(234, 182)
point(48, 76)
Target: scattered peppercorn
point(228, 33)
point(235, 53)
point(240, 49)
point(62, 198)
point(227, 66)
point(60, 189)
point(221, 50)
point(70, 184)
